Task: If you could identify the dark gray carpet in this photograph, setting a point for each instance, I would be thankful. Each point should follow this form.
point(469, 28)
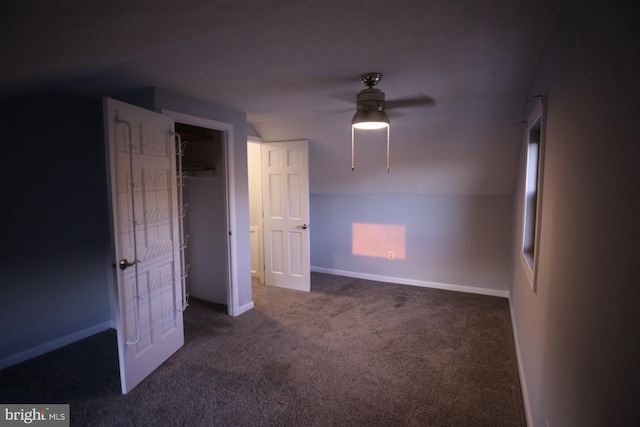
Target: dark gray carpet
point(350, 353)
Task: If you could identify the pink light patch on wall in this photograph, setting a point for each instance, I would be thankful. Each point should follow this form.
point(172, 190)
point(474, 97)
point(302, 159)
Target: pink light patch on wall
point(379, 240)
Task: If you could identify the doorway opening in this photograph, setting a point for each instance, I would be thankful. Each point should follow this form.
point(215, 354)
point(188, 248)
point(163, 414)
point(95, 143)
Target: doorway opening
point(226, 201)
point(256, 229)
point(279, 208)
point(205, 216)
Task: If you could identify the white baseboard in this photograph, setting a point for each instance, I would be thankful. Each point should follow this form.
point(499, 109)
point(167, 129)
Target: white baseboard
point(523, 379)
point(55, 344)
point(243, 308)
point(413, 282)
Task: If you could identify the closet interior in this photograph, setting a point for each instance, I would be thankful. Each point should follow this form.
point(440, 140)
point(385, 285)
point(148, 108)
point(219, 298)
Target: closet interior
point(200, 154)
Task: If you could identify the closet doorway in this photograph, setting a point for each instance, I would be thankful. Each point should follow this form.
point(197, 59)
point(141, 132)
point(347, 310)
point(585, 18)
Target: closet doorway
point(206, 229)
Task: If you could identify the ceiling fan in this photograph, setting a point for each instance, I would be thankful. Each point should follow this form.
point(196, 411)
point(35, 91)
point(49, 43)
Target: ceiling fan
point(371, 109)
point(372, 105)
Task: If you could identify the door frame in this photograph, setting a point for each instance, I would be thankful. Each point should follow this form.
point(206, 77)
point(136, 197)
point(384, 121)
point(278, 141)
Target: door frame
point(227, 130)
point(257, 200)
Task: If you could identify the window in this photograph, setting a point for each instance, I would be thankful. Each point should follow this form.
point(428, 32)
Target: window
point(532, 198)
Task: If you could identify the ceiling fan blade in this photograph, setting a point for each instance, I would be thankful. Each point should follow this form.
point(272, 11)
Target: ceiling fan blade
point(349, 97)
point(334, 111)
point(343, 97)
point(416, 101)
point(394, 114)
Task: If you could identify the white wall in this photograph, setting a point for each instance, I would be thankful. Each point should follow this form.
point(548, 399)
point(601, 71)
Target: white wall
point(578, 335)
point(206, 226)
point(453, 240)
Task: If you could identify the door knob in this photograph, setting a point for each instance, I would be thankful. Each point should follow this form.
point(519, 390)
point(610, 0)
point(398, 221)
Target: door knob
point(124, 263)
point(302, 227)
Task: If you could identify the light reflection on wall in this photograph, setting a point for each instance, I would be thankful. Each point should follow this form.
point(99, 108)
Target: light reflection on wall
point(377, 240)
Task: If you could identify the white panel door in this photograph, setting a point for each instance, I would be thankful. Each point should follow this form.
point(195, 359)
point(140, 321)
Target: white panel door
point(285, 193)
point(147, 241)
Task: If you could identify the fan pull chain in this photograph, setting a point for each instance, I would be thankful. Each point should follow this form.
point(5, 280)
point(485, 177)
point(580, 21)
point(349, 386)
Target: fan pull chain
point(353, 166)
point(388, 148)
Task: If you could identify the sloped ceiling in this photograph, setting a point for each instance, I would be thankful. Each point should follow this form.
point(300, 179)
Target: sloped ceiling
point(294, 66)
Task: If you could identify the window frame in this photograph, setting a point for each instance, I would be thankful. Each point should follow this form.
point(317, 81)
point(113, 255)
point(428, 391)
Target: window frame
point(531, 215)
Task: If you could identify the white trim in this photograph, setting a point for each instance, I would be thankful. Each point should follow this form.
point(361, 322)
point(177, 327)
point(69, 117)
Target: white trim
point(41, 349)
point(526, 267)
point(257, 193)
point(233, 307)
point(255, 235)
point(523, 378)
point(413, 282)
point(531, 265)
point(244, 308)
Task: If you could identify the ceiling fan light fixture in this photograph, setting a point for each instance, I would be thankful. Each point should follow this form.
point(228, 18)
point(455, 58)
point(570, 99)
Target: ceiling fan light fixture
point(371, 104)
point(370, 119)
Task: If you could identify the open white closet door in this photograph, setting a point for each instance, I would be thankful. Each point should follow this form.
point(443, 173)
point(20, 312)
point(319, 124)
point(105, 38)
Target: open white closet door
point(147, 240)
point(285, 193)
